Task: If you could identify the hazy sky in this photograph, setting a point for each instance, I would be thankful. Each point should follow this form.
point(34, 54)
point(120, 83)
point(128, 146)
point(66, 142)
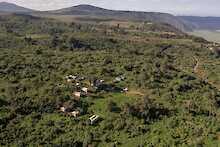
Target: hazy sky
point(177, 7)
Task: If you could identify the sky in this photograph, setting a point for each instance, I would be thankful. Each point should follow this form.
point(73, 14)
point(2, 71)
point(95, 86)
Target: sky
point(176, 7)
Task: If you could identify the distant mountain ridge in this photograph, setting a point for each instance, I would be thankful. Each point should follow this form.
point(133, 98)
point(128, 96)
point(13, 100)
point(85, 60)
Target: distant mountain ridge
point(92, 11)
point(127, 15)
point(183, 23)
point(13, 8)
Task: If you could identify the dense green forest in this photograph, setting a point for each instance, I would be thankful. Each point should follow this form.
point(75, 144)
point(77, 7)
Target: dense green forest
point(141, 81)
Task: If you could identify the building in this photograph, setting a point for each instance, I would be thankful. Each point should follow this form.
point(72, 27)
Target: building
point(81, 78)
point(94, 119)
point(70, 78)
point(97, 83)
point(77, 94)
point(119, 79)
point(85, 90)
point(62, 109)
point(125, 90)
point(75, 113)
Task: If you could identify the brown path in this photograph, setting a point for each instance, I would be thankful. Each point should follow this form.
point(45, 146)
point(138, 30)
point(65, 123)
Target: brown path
point(134, 92)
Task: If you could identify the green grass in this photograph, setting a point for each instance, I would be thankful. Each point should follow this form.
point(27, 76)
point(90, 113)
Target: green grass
point(100, 105)
point(208, 35)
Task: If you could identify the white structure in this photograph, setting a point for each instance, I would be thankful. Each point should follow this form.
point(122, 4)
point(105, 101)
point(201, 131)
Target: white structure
point(81, 78)
point(62, 109)
point(125, 89)
point(84, 89)
point(211, 48)
point(75, 113)
point(122, 78)
point(93, 119)
point(77, 94)
point(70, 78)
point(119, 79)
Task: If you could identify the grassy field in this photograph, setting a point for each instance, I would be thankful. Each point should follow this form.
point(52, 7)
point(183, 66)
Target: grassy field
point(213, 36)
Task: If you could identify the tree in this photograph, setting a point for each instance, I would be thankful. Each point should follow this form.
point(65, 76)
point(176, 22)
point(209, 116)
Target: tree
point(74, 43)
point(55, 41)
point(146, 109)
point(3, 102)
point(88, 139)
point(107, 60)
point(112, 106)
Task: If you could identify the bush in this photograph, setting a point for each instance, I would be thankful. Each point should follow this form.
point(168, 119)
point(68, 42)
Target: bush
point(112, 107)
point(147, 110)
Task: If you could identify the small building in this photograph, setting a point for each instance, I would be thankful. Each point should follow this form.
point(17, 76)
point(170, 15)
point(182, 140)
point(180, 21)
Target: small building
point(119, 79)
point(125, 89)
point(122, 78)
point(211, 49)
point(62, 109)
point(102, 81)
point(97, 84)
point(215, 50)
point(94, 119)
point(81, 78)
point(75, 113)
point(149, 23)
point(85, 90)
point(77, 94)
point(70, 78)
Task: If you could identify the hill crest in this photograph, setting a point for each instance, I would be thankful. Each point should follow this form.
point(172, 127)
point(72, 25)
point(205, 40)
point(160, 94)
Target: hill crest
point(157, 17)
point(10, 7)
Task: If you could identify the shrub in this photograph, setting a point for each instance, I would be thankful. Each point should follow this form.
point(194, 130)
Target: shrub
point(112, 107)
point(146, 109)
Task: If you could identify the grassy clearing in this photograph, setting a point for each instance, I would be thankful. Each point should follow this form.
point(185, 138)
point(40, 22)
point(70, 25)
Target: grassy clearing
point(208, 35)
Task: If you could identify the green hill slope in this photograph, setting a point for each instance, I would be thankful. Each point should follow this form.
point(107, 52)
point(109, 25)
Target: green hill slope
point(167, 102)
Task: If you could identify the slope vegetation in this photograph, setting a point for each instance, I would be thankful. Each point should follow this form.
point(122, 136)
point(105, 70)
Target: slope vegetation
point(140, 79)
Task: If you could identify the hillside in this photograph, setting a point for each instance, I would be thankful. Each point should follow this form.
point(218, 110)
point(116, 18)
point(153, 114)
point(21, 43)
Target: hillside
point(147, 84)
point(92, 11)
point(9, 7)
point(183, 23)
